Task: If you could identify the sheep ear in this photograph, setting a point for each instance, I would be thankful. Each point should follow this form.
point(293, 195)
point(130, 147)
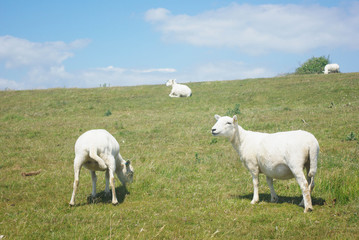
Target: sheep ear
point(128, 162)
point(217, 117)
point(235, 119)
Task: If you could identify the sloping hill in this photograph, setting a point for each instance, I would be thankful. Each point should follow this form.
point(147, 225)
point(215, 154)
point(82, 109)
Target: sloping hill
point(188, 185)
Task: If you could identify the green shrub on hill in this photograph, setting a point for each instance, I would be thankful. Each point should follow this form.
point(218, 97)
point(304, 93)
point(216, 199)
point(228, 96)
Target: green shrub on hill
point(313, 65)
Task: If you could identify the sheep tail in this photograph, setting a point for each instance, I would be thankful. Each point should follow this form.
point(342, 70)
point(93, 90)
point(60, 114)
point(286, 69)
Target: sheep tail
point(313, 158)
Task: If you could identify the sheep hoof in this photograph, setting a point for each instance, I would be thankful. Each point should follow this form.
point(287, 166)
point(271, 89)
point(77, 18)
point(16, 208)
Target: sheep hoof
point(308, 210)
point(115, 203)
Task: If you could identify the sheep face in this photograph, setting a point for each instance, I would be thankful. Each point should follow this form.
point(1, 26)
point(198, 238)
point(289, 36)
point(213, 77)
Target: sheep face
point(225, 126)
point(170, 82)
point(125, 174)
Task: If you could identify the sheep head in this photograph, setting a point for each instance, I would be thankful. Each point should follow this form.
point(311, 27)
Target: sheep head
point(170, 82)
point(125, 174)
point(225, 126)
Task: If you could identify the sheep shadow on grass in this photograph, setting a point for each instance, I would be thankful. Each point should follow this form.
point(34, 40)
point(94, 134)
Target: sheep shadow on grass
point(265, 197)
point(102, 197)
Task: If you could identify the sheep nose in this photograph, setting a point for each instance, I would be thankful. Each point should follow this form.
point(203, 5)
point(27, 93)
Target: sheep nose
point(213, 130)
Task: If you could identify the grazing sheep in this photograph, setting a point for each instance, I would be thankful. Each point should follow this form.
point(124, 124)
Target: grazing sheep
point(331, 68)
point(98, 150)
point(178, 90)
point(281, 155)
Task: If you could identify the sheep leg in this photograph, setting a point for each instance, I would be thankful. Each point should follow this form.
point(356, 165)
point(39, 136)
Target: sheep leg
point(94, 180)
point(172, 94)
point(311, 183)
point(274, 196)
point(76, 183)
point(255, 188)
point(311, 186)
point(107, 177)
point(100, 161)
point(111, 170)
point(112, 185)
point(304, 187)
point(310, 180)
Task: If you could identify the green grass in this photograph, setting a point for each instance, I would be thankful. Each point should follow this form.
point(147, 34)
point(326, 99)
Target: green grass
point(188, 184)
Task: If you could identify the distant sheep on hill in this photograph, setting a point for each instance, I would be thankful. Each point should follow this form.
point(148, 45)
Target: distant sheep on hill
point(178, 90)
point(281, 155)
point(331, 68)
point(98, 150)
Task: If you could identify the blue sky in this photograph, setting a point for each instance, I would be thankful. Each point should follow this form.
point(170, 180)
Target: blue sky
point(48, 44)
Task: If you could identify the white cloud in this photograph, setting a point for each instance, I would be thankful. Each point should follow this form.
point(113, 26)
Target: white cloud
point(53, 76)
point(42, 66)
point(159, 70)
point(9, 84)
point(122, 70)
point(116, 76)
point(262, 28)
point(17, 52)
point(158, 14)
point(111, 69)
point(42, 61)
point(223, 70)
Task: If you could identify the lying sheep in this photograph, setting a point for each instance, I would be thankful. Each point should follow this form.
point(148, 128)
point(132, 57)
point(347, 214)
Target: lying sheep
point(281, 155)
point(98, 150)
point(178, 90)
point(331, 68)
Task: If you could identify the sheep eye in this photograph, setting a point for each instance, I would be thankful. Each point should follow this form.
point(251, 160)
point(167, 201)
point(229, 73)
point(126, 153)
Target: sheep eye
point(229, 123)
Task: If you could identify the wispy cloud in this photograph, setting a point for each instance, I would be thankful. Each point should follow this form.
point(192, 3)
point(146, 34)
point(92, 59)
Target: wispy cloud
point(259, 29)
point(42, 63)
point(117, 76)
point(9, 84)
point(159, 70)
point(223, 70)
point(123, 70)
point(18, 52)
point(111, 69)
point(43, 66)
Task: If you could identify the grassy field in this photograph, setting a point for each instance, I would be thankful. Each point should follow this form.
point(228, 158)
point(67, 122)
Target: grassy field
point(188, 184)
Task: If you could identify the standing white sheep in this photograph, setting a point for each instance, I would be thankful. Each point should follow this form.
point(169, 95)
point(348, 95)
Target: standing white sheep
point(281, 155)
point(331, 68)
point(178, 90)
point(98, 150)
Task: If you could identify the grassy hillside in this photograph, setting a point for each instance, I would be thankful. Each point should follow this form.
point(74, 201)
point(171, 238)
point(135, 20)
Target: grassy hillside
point(188, 184)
